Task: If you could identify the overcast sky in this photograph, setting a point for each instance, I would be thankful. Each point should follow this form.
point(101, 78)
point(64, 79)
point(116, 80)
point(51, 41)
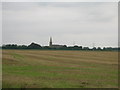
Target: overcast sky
point(67, 23)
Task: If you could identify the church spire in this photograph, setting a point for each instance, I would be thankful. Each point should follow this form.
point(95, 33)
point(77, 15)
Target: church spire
point(50, 43)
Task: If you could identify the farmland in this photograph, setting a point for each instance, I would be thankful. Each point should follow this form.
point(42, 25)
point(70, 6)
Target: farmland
point(59, 69)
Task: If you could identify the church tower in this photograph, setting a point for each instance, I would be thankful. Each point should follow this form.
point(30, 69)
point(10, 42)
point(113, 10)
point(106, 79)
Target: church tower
point(50, 43)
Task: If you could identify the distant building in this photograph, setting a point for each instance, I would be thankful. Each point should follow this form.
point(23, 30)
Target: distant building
point(54, 45)
point(34, 46)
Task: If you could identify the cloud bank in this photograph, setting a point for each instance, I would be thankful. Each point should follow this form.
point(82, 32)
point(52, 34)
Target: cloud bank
point(68, 23)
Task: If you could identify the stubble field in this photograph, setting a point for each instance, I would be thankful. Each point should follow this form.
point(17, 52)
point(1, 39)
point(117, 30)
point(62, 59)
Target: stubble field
point(59, 69)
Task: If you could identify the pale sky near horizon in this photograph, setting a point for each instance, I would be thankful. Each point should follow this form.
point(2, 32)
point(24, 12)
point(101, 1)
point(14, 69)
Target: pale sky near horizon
point(67, 22)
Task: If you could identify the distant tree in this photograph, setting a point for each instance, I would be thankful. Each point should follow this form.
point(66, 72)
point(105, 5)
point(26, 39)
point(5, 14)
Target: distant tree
point(10, 46)
point(65, 46)
point(118, 48)
point(75, 46)
point(70, 48)
point(99, 48)
point(85, 48)
point(104, 48)
point(94, 48)
point(46, 47)
point(22, 47)
point(108, 48)
point(80, 47)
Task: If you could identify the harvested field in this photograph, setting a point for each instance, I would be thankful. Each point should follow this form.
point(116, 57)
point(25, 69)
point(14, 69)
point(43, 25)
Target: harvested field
point(59, 69)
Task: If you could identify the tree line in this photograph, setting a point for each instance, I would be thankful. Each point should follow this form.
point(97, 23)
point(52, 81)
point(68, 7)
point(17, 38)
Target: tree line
point(64, 47)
